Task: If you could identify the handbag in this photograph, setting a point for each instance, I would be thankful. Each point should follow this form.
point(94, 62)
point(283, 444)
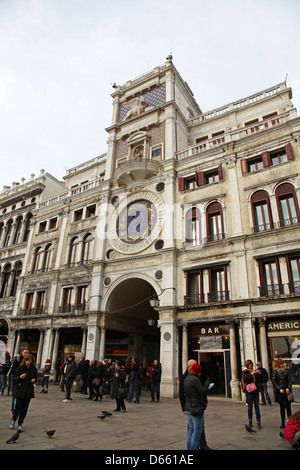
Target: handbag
point(251, 387)
point(290, 397)
point(96, 382)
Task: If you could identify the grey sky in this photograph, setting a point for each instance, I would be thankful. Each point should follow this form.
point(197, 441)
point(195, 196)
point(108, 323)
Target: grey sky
point(58, 59)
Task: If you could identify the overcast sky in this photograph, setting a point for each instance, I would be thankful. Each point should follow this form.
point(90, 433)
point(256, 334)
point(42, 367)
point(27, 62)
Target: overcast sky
point(58, 59)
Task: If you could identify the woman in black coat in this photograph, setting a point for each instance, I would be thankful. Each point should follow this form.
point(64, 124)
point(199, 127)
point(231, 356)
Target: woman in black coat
point(282, 387)
point(118, 386)
point(23, 391)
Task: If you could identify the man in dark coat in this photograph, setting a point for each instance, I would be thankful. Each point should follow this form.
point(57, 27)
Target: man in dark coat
point(195, 398)
point(155, 379)
point(70, 374)
point(182, 397)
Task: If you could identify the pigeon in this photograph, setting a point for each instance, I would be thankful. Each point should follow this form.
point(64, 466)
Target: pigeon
point(14, 438)
point(50, 432)
point(106, 413)
point(249, 429)
point(101, 417)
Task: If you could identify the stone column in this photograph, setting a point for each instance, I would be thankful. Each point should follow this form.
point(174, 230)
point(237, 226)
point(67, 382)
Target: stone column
point(168, 354)
point(54, 355)
point(264, 354)
point(102, 344)
point(17, 344)
point(235, 383)
point(185, 348)
point(40, 349)
point(83, 345)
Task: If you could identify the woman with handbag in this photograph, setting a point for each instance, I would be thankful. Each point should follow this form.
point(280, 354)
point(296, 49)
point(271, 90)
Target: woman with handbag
point(249, 377)
point(282, 389)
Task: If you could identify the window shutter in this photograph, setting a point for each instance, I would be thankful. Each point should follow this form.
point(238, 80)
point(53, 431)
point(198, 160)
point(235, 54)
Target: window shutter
point(200, 178)
point(181, 184)
point(266, 159)
point(220, 172)
point(289, 152)
point(244, 166)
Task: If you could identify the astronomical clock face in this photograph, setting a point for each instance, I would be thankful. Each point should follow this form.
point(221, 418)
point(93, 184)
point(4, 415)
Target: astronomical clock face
point(136, 223)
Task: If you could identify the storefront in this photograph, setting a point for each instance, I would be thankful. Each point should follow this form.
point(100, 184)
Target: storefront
point(284, 343)
point(209, 345)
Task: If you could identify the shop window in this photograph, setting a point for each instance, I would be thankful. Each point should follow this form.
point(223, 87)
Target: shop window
point(192, 227)
point(287, 205)
point(261, 212)
point(215, 229)
point(270, 278)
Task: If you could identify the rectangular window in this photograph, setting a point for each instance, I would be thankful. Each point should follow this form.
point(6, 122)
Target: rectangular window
point(78, 215)
point(91, 211)
point(270, 278)
point(81, 296)
point(261, 216)
point(66, 300)
point(42, 227)
point(29, 303)
point(218, 284)
point(40, 299)
point(52, 223)
point(255, 164)
point(279, 156)
point(194, 288)
point(294, 274)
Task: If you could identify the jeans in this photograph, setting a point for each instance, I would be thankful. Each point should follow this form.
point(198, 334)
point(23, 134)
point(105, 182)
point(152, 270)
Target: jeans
point(262, 387)
point(45, 381)
point(68, 384)
point(195, 426)
point(130, 394)
point(155, 388)
point(253, 399)
point(3, 379)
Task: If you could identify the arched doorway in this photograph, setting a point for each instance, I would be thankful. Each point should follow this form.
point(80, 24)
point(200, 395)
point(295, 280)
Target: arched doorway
point(131, 322)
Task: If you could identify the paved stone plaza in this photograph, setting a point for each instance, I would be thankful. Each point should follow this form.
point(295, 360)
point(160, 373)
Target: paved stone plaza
point(145, 426)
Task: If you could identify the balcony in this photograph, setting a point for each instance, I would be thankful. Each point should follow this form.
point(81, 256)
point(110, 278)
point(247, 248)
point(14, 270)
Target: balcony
point(214, 238)
point(134, 173)
point(75, 308)
point(33, 311)
point(199, 299)
point(294, 287)
point(271, 290)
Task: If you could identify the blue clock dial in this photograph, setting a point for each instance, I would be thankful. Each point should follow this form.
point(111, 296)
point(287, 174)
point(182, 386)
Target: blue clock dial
point(136, 222)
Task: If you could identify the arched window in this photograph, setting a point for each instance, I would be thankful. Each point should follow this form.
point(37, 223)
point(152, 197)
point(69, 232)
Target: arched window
point(87, 248)
point(1, 229)
point(37, 260)
point(27, 228)
point(48, 257)
point(74, 255)
point(18, 230)
point(261, 212)
point(192, 227)
point(287, 204)
point(16, 274)
point(215, 228)
point(5, 280)
point(8, 230)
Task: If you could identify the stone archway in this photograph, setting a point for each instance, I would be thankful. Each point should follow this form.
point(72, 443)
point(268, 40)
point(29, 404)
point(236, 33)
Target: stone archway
point(127, 316)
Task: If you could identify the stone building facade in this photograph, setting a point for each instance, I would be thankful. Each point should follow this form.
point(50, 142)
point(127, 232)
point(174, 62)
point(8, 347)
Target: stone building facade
point(181, 241)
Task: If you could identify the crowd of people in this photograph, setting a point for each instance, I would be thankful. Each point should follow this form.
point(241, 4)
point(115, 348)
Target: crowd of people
point(123, 382)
